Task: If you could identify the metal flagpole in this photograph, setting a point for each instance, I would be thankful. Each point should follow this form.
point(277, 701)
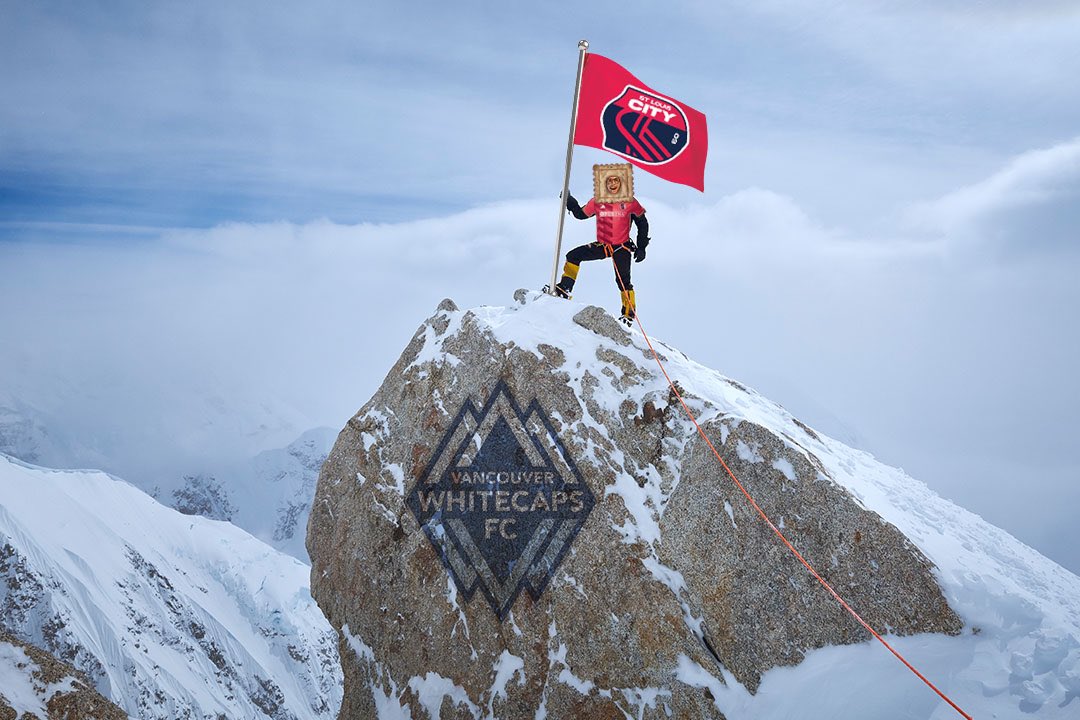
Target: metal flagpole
point(583, 49)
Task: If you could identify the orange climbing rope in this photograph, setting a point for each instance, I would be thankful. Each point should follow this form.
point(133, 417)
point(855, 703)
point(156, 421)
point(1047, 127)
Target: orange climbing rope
point(769, 522)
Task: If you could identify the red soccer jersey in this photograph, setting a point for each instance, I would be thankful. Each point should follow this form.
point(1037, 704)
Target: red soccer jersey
point(613, 219)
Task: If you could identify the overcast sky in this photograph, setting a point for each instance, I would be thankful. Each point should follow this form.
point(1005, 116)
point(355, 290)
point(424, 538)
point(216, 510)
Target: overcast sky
point(261, 201)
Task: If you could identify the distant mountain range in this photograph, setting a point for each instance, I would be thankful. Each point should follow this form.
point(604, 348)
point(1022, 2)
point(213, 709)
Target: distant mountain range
point(267, 493)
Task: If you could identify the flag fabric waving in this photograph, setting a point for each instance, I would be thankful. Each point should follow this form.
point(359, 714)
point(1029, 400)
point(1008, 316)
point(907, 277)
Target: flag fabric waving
point(620, 114)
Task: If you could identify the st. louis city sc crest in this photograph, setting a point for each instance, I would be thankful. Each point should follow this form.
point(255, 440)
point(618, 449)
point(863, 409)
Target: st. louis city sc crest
point(645, 127)
point(500, 500)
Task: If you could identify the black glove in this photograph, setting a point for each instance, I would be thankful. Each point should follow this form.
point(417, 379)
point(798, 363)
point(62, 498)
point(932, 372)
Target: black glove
point(571, 204)
point(639, 251)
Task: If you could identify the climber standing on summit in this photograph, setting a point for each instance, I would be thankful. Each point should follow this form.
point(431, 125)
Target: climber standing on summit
point(615, 207)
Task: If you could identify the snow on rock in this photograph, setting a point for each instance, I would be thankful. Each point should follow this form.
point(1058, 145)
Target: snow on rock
point(205, 496)
point(675, 599)
point(33, 684)
point(170, 616)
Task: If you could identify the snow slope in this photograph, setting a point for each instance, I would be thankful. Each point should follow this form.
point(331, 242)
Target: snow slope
point(1019, 655)
point(32, 683)
point(171, 616)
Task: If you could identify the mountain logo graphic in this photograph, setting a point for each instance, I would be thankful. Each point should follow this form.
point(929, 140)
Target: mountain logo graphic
point(501, 501)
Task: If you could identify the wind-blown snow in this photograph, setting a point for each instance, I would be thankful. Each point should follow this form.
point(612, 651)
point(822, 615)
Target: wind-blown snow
point(171, 616)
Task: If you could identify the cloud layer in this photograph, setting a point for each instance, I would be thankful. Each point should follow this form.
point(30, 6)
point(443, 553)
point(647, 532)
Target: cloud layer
point(1030, 205)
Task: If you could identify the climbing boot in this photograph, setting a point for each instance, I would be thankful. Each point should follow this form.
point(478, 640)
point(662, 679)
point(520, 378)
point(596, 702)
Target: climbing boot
point(566, 285)
point(629, 307)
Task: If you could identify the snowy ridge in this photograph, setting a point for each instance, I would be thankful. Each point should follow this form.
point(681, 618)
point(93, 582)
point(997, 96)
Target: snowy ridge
point(1022, 608)
point(1020, 651)
point(171, 616)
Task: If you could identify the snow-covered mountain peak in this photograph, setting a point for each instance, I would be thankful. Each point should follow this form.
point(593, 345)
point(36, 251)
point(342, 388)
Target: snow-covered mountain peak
point(674, 597)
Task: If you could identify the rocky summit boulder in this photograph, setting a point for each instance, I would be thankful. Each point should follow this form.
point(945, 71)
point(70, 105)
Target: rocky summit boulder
point(523, 522)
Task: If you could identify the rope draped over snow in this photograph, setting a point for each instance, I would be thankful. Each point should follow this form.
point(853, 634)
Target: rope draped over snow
point(772, 526)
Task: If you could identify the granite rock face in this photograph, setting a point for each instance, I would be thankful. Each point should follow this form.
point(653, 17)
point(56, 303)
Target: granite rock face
point(452, 488)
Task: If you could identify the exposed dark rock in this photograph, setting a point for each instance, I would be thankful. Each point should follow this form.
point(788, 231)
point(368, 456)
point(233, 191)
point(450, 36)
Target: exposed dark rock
point(204, 496)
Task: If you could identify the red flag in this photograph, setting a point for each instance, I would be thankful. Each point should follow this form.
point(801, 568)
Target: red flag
point(620, 114)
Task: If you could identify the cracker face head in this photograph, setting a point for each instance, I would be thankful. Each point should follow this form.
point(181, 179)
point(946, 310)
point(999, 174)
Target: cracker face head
point(613, 183)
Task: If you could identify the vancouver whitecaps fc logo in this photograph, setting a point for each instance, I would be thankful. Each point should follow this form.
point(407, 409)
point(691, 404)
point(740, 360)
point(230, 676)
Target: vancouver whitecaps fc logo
point(500, 500)
point(645, 127)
